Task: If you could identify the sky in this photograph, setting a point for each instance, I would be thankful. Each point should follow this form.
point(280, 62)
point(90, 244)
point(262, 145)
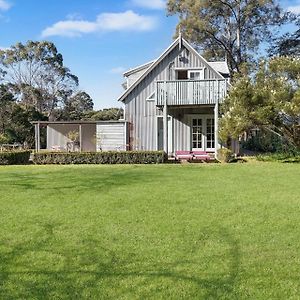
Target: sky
point(99, 39)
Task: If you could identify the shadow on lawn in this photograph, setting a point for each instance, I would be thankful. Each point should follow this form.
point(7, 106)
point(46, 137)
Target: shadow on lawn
point(92, 271)
point(93, 180)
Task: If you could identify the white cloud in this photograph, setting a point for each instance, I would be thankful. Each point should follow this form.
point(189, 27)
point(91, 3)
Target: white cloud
point(151, 4)
point(117, 70)
point(125, 21)
point(4, 5)
point(294, 9)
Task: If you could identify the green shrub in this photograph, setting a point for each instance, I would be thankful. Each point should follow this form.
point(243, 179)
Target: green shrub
point(285, 157)
point(110, 157)
point(225, 155)
point(14, 158)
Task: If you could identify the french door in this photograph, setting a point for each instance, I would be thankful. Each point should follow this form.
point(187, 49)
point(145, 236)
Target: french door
point(203, 133)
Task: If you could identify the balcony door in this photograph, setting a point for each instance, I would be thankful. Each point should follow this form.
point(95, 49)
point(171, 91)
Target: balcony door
point(203, 133)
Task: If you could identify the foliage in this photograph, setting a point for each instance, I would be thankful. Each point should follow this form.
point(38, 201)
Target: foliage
point(270, 100)
point(234, 29)
point(73, 135)
point(6, 103)
point(37, 76)
point(284, 157)
point(150, 232)
point(225, 155)
point(4, 139)
point(14, 158)
point(112, 157)
point(288, 44)
point(106, 114)
point(77, 107)
point(20, 129)
point(264, 141)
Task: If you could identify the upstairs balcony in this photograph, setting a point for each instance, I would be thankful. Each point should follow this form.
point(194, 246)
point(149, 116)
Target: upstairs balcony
point(191, 92)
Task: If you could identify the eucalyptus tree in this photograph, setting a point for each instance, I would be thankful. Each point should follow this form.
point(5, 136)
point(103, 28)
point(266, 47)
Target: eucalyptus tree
point(234, 29)
point(36, 74)
point(288, 44)
point(268, 100)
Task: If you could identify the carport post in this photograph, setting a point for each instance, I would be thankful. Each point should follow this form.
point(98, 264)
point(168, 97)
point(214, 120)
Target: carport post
point(37, 137)
point(80, 137)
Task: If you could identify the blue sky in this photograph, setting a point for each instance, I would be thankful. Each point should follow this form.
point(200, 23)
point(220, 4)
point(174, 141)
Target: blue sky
point(99, 39)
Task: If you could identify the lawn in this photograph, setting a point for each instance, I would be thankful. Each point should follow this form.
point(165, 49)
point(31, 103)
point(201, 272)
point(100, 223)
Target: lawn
point(150, 232)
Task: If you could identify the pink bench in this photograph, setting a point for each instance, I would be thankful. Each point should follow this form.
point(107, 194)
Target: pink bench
point(201, 155)
point(192, 155)
point(183, 155)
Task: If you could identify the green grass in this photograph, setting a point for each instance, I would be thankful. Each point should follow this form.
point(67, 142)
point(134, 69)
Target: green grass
point(150, 232)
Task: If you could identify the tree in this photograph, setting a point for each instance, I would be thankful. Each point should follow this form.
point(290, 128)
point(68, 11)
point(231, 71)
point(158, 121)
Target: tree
point(106, 114)
point(6, 103)
point(231, 28)
point(77, 106)
point(270, 100)
point(19, 129)
point(287, 45)
point(36, 74)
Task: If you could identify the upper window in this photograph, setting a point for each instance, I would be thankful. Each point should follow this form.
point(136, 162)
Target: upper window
point(196, 74)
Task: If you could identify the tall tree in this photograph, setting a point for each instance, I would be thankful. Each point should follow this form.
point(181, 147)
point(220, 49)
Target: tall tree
point(270, 100)
point(288, 44)
point(36, 73)
point(77, 106)
point(6, 103)
point(231, 28)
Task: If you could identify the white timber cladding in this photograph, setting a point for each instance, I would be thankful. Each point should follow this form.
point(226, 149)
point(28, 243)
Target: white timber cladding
point(142, 114)
point(111, 136)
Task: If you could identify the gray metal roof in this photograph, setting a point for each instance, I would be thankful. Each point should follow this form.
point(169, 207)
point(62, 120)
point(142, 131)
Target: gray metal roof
point(138, 68)
point(220, 66)
point(77, 122)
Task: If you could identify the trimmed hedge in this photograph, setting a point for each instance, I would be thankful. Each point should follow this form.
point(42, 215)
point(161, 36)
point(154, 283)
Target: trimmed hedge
point(14, 158)
point(110, 157)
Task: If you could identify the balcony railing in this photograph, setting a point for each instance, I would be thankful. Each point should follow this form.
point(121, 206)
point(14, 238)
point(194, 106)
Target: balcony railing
point(188, 92)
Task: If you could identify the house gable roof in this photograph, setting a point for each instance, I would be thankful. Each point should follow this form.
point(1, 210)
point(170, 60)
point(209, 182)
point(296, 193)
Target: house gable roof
point(220, 66)
point(138, 68)
point(155, 63)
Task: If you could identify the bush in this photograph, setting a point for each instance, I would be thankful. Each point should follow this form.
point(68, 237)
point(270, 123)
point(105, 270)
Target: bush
point(285, 157)
point(225, 155)
point(14, 158)
point(110, 157)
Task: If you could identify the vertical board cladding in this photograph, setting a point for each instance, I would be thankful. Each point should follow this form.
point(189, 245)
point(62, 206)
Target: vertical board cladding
point(111, 136)
point(142, 113)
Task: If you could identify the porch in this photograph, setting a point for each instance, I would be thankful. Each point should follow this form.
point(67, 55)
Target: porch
point(188, 128)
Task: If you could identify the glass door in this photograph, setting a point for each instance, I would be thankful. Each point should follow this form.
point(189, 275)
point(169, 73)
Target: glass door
point(197, 134)
point(203, 133)
point(210, 134)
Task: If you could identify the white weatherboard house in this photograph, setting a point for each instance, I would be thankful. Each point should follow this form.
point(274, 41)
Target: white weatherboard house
point(171, 104)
